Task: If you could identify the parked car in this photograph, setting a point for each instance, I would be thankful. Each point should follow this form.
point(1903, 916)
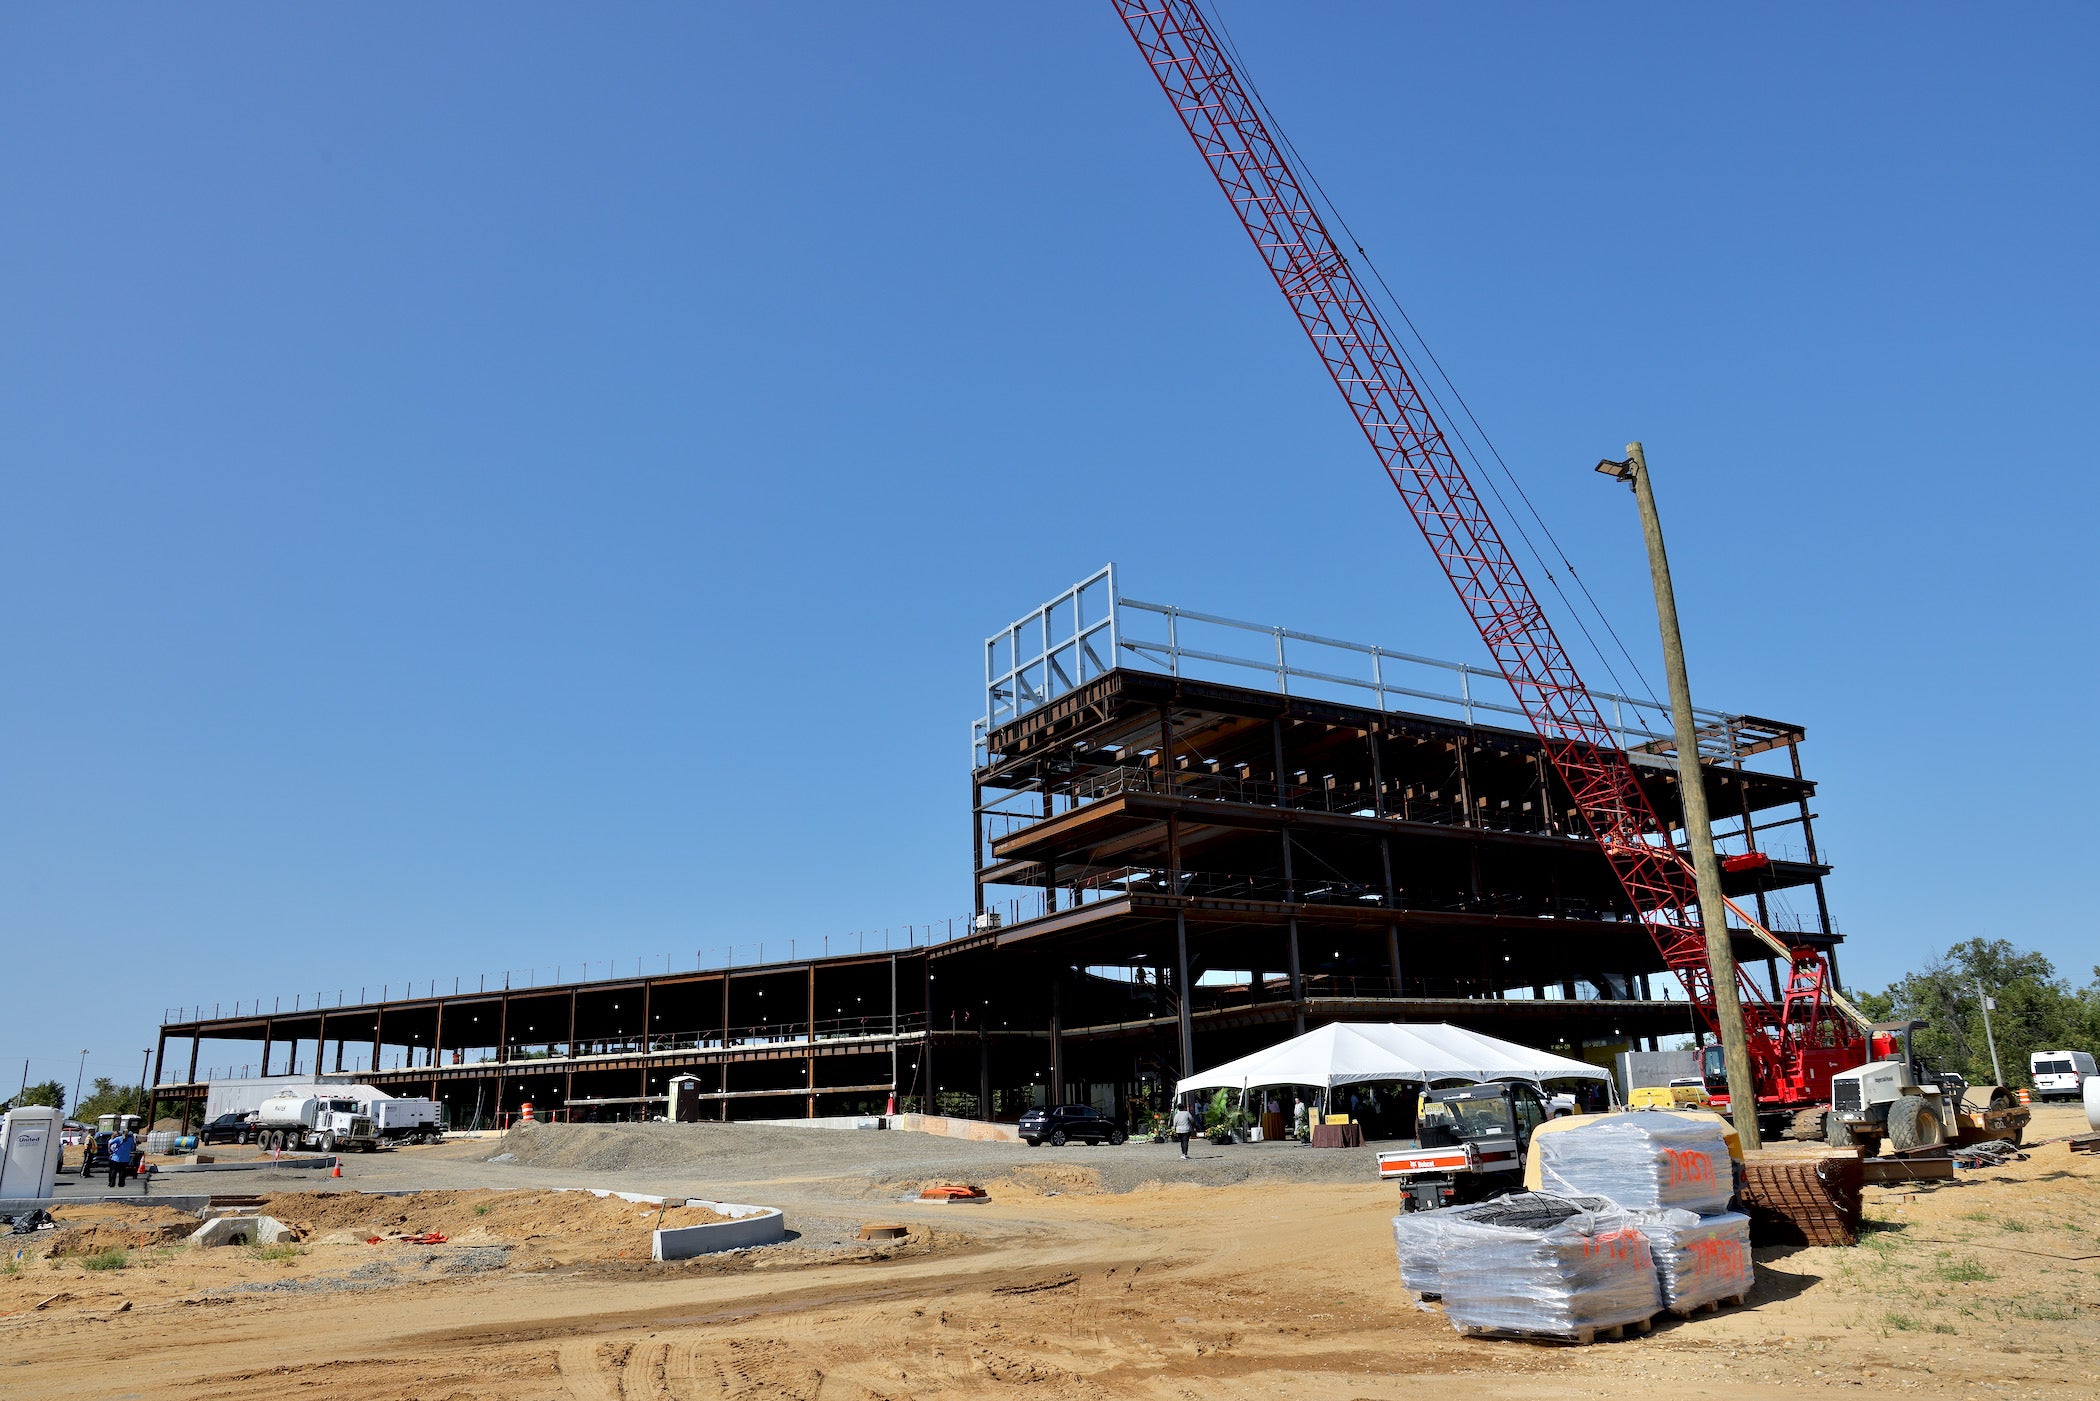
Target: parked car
point(228, 1128)
point(1061, 1123)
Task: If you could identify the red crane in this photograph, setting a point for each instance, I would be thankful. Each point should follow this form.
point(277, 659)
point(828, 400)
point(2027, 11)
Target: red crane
point(1796, 1044)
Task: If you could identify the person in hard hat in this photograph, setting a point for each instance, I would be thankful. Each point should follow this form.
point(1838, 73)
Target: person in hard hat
point(123, 1147)
point(1184, 1126)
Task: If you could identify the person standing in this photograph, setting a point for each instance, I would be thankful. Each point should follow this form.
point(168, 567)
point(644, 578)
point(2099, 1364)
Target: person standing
point(121, 1148)
point(1184, 1125)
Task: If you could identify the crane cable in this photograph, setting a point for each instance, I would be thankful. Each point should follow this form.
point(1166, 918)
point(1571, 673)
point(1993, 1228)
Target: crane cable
point(1282, 136)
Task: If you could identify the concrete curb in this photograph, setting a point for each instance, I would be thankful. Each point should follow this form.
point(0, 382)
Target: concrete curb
point(21, 1206)
point(753, 1225)
point(252, 1165)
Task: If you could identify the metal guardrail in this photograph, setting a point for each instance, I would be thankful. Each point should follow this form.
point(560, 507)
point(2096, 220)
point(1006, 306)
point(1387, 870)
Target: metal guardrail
point(1091, 628)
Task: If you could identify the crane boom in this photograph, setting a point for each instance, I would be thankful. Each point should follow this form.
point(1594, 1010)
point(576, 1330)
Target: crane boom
point(1346, 332)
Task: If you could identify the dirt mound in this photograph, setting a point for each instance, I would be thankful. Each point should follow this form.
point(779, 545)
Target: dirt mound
point(480, 1215)
point(1047, 1180)
point(89, 1229)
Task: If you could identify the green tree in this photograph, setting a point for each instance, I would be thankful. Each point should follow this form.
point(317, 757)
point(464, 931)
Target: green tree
point(50, 1093)
point(2036, 1010)
point(106, 1096)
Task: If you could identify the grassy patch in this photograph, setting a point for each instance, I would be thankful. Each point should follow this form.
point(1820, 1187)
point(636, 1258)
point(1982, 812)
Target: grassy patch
point(280, 1250)
point(1967, 1270)
point(482, 1210)
point(114, 1258)
point(1901, 1322)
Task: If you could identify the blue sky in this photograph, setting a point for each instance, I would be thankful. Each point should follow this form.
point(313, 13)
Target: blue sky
point(497, 488)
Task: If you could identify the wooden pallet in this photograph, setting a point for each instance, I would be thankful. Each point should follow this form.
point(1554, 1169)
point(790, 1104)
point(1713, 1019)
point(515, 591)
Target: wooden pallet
point(1733, 1301)
point(1581, 1337)
point(2084, 1143)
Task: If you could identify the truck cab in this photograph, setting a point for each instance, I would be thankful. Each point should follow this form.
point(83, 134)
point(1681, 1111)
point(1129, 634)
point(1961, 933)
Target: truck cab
point(1471, 1144)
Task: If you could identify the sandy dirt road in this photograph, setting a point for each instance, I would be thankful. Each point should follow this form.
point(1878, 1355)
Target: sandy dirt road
point(1989, 1288)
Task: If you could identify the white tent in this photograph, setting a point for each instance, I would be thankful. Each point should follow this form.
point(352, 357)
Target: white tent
point(1351, 1053)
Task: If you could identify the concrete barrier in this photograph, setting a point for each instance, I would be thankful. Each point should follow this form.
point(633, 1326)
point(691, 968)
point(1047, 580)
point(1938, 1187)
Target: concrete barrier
point(753, 1225)
point(242, 1230)
point(975, 1130)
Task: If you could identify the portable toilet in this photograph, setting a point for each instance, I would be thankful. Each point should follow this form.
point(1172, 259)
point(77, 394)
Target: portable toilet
point(29, 1148)
point(685, 1099)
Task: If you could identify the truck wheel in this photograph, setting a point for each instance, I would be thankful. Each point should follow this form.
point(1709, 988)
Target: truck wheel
point(1914, 1122)
point(327, 1143)
point(1838, 1134)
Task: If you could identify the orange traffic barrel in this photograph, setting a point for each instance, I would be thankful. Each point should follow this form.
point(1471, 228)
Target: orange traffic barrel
point(525, 1112)
point(2026, 1097)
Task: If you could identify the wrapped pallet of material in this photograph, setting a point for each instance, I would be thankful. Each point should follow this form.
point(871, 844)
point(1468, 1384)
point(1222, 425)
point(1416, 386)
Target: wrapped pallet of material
point(1699, 1260)
point(1418, 1241)
point(1642, 1161)
point(1532, 1265)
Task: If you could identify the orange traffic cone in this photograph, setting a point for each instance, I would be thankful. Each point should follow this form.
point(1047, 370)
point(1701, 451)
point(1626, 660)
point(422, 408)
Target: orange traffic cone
point(336, 1171)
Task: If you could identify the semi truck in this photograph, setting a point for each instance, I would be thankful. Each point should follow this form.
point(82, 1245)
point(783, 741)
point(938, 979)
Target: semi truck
point(314, 1121)
point(328, 1122)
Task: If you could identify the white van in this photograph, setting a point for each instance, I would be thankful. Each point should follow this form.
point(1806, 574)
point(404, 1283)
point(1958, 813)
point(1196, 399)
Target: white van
point(2061, 1074)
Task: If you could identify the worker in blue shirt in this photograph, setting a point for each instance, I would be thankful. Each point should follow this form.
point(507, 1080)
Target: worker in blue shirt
point(122, 1149)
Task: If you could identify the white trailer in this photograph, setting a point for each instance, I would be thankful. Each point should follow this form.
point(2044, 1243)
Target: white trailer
point(408, 1120)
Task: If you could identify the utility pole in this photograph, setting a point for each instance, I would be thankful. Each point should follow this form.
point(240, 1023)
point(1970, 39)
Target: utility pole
point(1698, 825)
point(146, 1109)
point(74, 1102)
point(1997, 1071)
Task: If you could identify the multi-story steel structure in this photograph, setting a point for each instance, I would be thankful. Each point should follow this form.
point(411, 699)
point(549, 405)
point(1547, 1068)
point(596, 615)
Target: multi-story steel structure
point(1192, 836)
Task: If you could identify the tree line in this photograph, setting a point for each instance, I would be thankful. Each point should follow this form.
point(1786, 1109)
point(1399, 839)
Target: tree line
point(2035, 1009)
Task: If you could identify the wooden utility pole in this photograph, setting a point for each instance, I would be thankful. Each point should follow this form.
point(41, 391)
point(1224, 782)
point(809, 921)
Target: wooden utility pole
point(1698, 825)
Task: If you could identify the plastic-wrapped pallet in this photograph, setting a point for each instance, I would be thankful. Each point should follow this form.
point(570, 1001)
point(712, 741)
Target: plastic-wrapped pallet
point(1417, 1241)
point(1644, 1162)
point(1532, 1264)
point(1699, 1260)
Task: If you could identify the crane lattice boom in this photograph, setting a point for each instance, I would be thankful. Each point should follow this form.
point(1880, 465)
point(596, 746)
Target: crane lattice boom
point(1345, 330)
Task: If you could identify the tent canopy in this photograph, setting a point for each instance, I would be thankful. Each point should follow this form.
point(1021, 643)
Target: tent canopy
point(1350, 1053)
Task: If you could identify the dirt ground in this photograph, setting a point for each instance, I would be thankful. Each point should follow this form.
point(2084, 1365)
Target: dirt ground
point(1090, 1274)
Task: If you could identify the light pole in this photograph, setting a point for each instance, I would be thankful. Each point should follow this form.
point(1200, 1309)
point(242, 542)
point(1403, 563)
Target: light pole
point(145, 1109)
point(1987, 1003)
point(1698, 825)
point(77, 1077)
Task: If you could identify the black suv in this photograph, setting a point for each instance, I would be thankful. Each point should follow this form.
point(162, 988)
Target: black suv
point(227, 1128)
point(1064, 1122)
